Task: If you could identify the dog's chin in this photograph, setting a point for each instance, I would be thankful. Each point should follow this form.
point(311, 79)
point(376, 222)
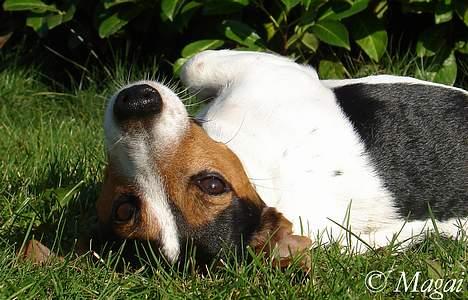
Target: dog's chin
point(142, 253)
point(225, 236)
point(129, 253)
point(265, 231)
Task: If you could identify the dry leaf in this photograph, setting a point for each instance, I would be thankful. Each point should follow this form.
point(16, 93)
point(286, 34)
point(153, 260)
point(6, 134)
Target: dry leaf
point(37, 253)
point(4, 39)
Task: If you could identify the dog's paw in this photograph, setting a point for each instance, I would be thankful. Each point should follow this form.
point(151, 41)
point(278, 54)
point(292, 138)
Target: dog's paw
point(211, 70)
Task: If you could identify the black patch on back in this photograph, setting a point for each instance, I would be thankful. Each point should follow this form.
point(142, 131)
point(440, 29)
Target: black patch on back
point(417, 138)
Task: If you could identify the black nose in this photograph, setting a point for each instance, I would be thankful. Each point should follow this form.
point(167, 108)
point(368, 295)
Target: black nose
point(137, 101)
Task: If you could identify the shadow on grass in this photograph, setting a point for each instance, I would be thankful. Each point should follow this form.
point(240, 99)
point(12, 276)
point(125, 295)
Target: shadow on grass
point(58, 210)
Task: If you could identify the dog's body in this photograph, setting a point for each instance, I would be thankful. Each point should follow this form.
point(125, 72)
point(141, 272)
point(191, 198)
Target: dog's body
point(387, 146)
point(368, 155)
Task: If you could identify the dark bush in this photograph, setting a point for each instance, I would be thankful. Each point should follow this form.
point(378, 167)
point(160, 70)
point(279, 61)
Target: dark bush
point(317, 31)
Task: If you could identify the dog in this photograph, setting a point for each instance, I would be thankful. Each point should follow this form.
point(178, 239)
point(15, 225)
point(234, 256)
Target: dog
point(281, 161)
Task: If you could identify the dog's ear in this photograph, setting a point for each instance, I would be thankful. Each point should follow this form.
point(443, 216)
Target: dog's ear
point(274, 237)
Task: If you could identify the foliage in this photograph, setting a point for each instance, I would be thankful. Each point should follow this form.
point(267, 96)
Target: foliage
point(303, 29)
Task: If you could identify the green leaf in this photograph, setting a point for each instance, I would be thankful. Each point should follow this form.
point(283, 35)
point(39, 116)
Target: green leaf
point(443, 11)
point(331, 69)
point(37, 22)
point(434, 269)
point(442, 68)
point(447, 73)
point(462, 46)
point(41, 22)
point(293, 40)
point(110, 24)
point(290, 4)
point(310, 41)
point(461, 8)
point(224, 7)
point(169, 8)
point(242, 34)
point(33, 5)
point(431, 41)
point(111, 3)
point(369, 33)
point(61, 196)
point(306, 3)
point(341, 10)
point(53, 20)
point(332, 32)
point(201, 45)
point(190, 7)
point(176, 67)
point(185, 14)
point(270, 30)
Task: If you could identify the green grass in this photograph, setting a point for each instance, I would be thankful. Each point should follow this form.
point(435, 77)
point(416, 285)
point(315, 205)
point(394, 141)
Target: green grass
point(52, 158)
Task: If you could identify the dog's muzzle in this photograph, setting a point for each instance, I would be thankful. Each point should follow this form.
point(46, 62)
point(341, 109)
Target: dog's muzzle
point(137, 102)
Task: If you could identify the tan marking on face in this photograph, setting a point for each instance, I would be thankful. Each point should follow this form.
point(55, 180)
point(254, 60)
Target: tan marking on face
point(144, 227)
point(196, 153)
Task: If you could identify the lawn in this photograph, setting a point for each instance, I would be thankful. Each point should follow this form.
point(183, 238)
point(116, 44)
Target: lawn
point(52, 159)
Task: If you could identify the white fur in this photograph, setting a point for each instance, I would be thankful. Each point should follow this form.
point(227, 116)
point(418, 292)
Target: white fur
point(291, 136)
point(379, 79)
point(134, 154)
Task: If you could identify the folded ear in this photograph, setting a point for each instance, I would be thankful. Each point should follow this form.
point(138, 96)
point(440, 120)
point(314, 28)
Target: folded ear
point(274, 237)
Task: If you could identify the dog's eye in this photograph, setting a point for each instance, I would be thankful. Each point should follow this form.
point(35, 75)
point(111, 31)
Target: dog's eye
point(212, 184)
point(124, 210)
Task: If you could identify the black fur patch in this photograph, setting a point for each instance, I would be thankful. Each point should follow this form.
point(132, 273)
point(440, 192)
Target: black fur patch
point(417, 138)
point(231, 229)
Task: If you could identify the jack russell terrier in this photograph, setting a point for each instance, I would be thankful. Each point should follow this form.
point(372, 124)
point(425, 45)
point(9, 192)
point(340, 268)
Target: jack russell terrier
point(279, 158)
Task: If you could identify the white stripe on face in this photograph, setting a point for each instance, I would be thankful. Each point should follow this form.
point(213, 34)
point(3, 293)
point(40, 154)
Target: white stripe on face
point(158, 206)
point(136, 152)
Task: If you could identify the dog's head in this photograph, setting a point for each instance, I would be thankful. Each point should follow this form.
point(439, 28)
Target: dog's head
point(169, 183)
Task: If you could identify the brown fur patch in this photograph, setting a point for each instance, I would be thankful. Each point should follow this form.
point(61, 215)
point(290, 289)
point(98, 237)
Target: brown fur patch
point(196, 153)
point(143, 227)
